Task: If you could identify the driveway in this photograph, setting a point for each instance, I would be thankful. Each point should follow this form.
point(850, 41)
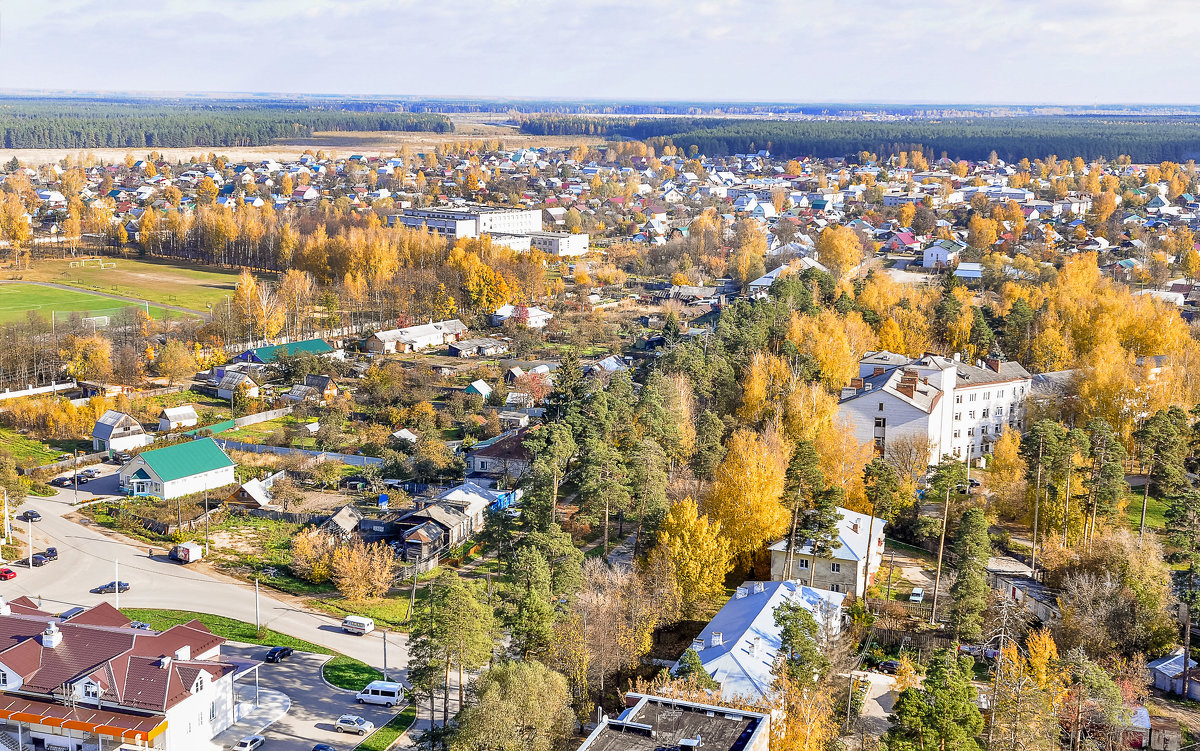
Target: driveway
point(89, 558)
point(314, 704)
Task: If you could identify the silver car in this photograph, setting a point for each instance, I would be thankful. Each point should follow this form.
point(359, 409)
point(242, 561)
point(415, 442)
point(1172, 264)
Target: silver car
point(352, 723)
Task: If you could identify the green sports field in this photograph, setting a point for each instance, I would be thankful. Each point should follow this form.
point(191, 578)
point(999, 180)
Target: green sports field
point(16, 300)
point(162, 282)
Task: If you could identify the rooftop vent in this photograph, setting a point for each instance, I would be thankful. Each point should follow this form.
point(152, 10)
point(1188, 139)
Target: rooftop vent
point(697, 644)
point(714, 639)
point(164, 662)
point(51, 637)
point(741, 593)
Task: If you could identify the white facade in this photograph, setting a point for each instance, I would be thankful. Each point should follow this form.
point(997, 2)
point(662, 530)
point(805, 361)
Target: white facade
point(860, 540)
point(560, 243)
point(472, 221)
point(961, 408)
point(942, 254)
point(210, 709)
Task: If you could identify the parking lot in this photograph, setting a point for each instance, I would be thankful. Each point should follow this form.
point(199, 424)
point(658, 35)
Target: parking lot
point(314, 704)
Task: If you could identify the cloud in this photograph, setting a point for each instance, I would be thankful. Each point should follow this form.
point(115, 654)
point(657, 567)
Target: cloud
point(1069, 51)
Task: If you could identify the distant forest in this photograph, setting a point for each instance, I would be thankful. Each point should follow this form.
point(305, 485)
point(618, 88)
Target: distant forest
point(1145, 139)
point(36, 123)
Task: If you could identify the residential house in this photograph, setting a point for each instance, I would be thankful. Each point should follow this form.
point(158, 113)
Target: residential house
point(484, 347)
point(534, 318)
point(740, 646)
point(1166, 673)
point(95, 682)
point(479, 387)
point(255, 493)
point(951, 406)
point(268, 355)
point(173, 418)
point(178, 470)
point(323, 384)
point(655, 723)
point(117, 431)
point(504, 456)
point(417, 338)
point(859, 548)
point(942, 254)
point(234, 380)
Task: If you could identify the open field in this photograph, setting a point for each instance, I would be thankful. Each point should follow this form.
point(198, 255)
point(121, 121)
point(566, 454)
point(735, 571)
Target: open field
point(468, 126)
point(16, 300)
point(30, 451)
point(163, 282)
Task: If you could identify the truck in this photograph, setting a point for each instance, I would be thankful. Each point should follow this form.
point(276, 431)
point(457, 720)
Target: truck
point(188, 552)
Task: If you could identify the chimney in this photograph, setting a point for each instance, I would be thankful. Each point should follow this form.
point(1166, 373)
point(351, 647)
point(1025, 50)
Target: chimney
point(856, 383)
point(164, 662)
point(994, 364)
point(957, 357)
point(880, 370)
point(756, 646)
point(697, 644)
point(714, 639)
point(854, 526)
point(51, 637)
point(908, 389)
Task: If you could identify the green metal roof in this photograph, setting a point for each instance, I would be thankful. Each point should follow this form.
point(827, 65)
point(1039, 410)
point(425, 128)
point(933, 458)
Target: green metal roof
point(313, 346)
point(186, 459)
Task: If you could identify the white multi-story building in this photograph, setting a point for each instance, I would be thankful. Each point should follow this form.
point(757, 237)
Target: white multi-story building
point(961, 408)
point(560, 243)
point(472, 221)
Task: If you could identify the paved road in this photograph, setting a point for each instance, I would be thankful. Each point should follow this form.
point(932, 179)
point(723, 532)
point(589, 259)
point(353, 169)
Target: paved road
point(134, 300)
point(314, 707)
point(88, 559)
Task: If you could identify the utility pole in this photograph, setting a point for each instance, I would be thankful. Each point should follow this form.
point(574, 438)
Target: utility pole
point(937, 582)
point(117, 582)
point(257, 620)
point(385, 677)
point(75, 478)
point(205, 521)
point(29, 521)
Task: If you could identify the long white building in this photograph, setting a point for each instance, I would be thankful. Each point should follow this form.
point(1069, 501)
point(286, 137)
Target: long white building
point(472, 221)
point(961, 408)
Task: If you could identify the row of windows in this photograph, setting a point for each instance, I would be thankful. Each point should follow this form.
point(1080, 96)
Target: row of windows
point(987, 395)
point(998, 412)
point(803, 563)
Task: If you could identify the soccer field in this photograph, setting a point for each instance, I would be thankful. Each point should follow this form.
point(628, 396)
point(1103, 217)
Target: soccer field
point(192, 287)
point(16, 300)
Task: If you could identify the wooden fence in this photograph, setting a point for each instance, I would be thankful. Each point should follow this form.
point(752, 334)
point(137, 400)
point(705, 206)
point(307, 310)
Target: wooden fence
point(922, 640)
point(921, 610)
point(281, 516)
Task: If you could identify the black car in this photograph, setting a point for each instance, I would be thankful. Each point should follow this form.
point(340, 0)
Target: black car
point(50, 554)
point(61, 482)
point(31, 516)
point(81, 479)
point(323, 747)
point(889, 666)
point(111, 587)
point(278, 654)
point(38, 559)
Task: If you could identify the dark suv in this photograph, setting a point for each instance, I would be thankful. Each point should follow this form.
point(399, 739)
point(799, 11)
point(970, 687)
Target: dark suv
point(278, 654)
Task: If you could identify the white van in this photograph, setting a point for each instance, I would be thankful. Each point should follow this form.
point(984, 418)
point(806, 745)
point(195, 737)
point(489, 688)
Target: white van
point(357, 624)
point(381, 692)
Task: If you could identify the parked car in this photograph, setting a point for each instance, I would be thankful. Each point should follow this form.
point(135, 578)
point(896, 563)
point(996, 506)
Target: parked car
point(91, 474)
point(61, 482)
point(38, 559)
point(31, 516)
point(50, 554)
point(352, 723)
point(110, 588)
point(889, 666)
point(918, 595)
point(250, 743)
point(7, 573)
point(323, 747)
point(64, 457)
point(142, 625)
point(387, 693)
point(278, 654)
point(81, 479)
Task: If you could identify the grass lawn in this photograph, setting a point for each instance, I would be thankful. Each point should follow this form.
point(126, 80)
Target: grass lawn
point(383, 738)
point(185, 285)
point(30, 451)
point(1156, 509)
point(341, 671)
point(391, 612)
point(18, 299)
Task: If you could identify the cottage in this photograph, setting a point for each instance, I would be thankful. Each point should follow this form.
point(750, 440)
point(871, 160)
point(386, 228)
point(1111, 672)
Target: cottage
point(177, 470)
point(416, 338)
point(859, 547)
point(255, 493)
point(268, 355)
point(231, 382)
point(504, 456)
point(478, 348)
point(740, 645)
point(173, 418)
point(479, 387)
point(117, 431)
point(534, 318)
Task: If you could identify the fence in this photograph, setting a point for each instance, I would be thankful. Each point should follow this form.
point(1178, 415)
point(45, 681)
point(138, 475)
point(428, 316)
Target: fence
point(53, 388)
point(354, 460)
point(65, 464)
point(923, 640)
point(243, 421)
point(921, 610)
point(163, 528)
point(282, 516)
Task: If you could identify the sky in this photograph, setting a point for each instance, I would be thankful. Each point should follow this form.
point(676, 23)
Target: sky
point(889, 51)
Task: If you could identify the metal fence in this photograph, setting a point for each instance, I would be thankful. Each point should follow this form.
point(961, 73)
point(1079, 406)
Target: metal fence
point(65, 464)
point(281, 516)
point(355, 460)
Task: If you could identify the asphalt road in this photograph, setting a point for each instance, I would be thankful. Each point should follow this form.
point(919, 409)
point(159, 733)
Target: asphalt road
point(88, 559)
point(314, 705)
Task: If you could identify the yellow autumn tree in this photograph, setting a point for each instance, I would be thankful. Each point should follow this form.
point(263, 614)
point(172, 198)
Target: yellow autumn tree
point(1006, 478)
point(840, 250)
point(842, 460)
point(981, 232)
point(745, 494)
point(698, 552)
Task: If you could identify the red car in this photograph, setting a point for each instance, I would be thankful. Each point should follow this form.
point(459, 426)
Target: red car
point(7, 573)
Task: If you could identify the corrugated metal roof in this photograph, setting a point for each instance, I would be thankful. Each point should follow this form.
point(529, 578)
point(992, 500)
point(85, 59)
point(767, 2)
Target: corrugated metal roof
point(186, 459)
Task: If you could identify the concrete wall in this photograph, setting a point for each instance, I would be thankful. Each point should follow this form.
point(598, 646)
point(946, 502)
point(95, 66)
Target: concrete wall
point(53, 388)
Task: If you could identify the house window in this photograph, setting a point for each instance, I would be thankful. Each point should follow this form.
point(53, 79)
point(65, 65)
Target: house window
point(958, 434)
point(970, 432)
point(987, 395)
point(3, 679)
point(958, 398)
point(958, 415)
point(983, 430)
point(212, 711)
point(999, 411)
point(835, 588)
point(881, 406)
point(972, 397)
point(958, 450)
point(881, 422)
point(971, 415)
point(879, 443)
point(983, 414)
point(835, 568)
point(91, 690)
point(802, 563)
